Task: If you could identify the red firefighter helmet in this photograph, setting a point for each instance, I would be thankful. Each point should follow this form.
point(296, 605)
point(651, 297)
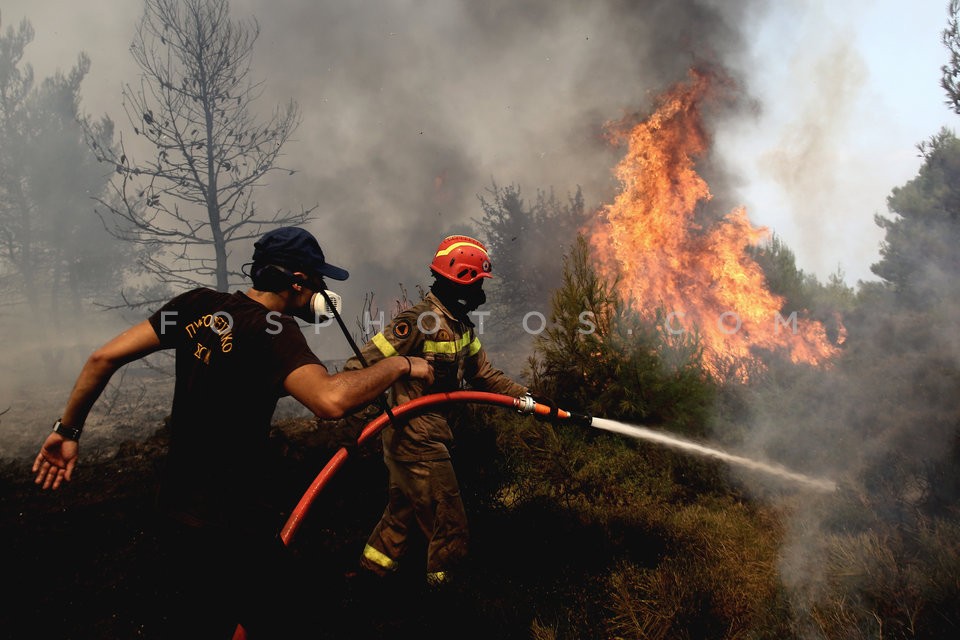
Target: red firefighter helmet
point(461, 259)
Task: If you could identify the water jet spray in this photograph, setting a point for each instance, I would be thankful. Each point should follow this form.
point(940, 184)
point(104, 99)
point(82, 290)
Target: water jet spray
point(674, 442)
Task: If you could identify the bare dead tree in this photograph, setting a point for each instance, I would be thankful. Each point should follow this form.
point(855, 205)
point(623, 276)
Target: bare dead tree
point(206, 152)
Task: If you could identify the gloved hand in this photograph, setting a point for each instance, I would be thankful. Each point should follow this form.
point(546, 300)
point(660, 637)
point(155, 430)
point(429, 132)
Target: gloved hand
point(547, 402)
point(346, 433)
point(347, 430)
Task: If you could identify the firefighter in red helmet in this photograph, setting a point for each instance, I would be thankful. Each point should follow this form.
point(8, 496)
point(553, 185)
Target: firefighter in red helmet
point(423, 492)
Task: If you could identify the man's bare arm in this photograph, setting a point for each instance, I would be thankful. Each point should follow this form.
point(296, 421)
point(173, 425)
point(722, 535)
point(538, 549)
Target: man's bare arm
point(332, 396)
point(58, 455)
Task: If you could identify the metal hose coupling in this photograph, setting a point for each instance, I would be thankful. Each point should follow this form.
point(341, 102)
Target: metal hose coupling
point(525, 405)
point(581, 419)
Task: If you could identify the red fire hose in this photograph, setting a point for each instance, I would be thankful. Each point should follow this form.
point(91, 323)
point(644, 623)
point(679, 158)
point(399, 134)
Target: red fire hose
point(524, 405)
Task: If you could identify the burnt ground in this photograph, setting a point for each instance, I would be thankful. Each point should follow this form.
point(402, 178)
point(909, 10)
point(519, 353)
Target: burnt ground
point(77, 562)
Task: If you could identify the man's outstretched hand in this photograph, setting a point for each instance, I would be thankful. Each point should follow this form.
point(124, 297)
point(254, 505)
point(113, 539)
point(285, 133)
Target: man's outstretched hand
point(55, 462)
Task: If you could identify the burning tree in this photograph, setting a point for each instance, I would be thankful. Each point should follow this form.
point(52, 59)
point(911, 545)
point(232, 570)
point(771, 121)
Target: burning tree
point(193, 115)
point(599, 355)
point(673, 259)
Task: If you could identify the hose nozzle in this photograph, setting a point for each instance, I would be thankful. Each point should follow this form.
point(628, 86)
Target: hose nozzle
point(526, 406)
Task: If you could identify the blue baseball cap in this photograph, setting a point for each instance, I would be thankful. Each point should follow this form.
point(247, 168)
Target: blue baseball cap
point(296, 249)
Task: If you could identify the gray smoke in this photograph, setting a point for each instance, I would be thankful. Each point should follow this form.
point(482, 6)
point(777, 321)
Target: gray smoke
point(410, 111)
point(412, 108)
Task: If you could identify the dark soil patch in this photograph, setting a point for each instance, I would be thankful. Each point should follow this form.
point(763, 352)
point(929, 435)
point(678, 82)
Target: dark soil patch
point(77, 561)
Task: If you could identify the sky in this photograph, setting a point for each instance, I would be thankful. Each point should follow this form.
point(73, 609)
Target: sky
point(414, 109)
point(855, 91)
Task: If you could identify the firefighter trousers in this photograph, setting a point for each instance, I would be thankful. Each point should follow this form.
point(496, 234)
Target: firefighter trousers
point(425, 495)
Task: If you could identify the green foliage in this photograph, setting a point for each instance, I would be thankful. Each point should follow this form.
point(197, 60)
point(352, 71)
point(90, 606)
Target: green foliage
point(61, 174)
point(803, 292)
point(919, 251)
point(950, 78)
point(599, 356)
point(55, 258)
point(577, 469)
point(779, 265)
point(51, 234)
point(524, 241)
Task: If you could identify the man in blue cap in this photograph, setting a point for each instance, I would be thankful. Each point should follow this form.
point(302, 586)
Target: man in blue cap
point(236, 355)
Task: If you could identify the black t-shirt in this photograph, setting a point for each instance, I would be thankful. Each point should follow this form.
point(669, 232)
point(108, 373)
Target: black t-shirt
point(232, 356)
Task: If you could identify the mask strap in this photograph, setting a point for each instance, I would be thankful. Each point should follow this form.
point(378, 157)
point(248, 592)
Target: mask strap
point(356, 350)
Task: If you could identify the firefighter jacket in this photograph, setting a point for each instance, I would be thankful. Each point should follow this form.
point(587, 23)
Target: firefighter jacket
point(452, 346)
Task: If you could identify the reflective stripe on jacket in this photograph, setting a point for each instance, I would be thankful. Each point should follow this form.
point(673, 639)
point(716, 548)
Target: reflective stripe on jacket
point(453, 347)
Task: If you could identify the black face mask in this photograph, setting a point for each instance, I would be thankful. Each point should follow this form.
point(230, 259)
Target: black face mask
point(460, 299)
point(474, 297)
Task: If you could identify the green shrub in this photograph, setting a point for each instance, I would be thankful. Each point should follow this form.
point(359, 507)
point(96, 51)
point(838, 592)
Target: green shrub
point(598, 355)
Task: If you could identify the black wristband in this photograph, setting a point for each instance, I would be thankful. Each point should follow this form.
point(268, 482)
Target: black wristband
point(70, 433)
point(409, 365)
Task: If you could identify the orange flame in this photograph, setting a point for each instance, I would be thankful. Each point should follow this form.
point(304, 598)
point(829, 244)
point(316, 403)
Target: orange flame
point(701, 278)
